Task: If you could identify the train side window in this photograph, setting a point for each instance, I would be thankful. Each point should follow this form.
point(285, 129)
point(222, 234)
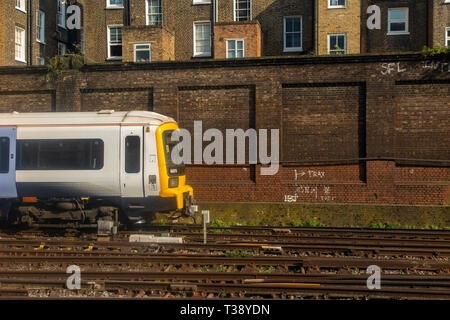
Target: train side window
point(132, 154)
point(4, 154)
point(60, 154)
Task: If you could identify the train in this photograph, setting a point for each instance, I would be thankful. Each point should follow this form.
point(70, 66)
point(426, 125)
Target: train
point(89, 168)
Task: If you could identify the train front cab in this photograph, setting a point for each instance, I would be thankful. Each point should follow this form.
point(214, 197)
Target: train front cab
point(172, 176)
point(8, 189)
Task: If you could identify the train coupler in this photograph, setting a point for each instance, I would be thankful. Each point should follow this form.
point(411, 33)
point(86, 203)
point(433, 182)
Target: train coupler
point(189, 208)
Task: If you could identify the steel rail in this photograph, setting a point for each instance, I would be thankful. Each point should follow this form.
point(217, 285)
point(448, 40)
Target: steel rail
point(260, 277)
point(7, 246)
point(258, 288)
point(309, 262)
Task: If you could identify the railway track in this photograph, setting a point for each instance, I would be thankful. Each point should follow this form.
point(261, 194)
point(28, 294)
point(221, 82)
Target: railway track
point(256, 248)
point(322, 231)
point(253, 262)
point(233, 285)
point(37, 258)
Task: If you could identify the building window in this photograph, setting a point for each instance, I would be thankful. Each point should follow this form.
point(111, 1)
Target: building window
point(292, 34)
point(115, 42)
point(235, 48)
point(20, 5)
point(202, 38)
point(20, 44)
point(337, 43)
point(447, 37)
point(61, 49)
point(142, 52)
point(398, 21)
point(242, 10)
point(132, 154)
point(154, 12)
point(61, 154)
point(40, 61)
point(114, 3)
point(61, 14)
point(4, 154)
point(40, 26)
point(201, 1)
point(337, 3)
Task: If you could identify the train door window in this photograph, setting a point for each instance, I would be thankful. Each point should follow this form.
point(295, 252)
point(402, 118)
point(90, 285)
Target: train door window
point(132, 154)
point(4, 155)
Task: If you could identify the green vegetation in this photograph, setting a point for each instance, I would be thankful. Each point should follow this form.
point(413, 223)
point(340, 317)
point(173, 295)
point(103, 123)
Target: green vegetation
point(239, 254)
point(390, 225)
point(221, 268)
point(61, 63)
point(268, 269)
point(436, 52)
point(217, 223)
point(314, 222)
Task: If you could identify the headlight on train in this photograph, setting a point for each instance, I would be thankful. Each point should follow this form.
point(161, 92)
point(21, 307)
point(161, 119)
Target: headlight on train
point(173, 182)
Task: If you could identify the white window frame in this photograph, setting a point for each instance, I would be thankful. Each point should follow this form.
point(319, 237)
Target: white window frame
point(447, 36)
point(249, 13)
point(195, 2)
point(337, 6)
point(143, 44)
point(22, 5)
point(109, 39)
point(40, 25)
point(113, 6)
point(393, 33)
point(293, 49)
point(61, 12)
point(331, 50)
point(235, 48)
point(22, 53)
point(147, 20)
point(62, 48)
point(202, 54)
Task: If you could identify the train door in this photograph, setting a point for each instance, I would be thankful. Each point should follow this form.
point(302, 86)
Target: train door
point(8, 163)
point(131, 162)
point(151, 170)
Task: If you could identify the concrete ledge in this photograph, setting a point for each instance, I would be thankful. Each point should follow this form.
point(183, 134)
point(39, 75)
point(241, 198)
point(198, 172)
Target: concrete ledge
point(333, 215)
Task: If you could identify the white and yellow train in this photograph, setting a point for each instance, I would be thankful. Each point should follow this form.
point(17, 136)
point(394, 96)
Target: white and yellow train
point(89, 166)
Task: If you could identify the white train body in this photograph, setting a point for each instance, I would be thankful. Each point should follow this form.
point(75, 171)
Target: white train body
point(115, 159)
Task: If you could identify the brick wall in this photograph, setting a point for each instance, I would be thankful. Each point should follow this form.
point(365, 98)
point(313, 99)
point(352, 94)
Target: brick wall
point(13, 18)
point(161, 40)
point(360, 129)
point(440, 15)
point(379, 41)
point(339, 21)
point(270, 14)
point(249, 31)
point(96, 19)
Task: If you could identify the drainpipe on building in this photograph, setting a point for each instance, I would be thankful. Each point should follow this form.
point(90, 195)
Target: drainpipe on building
point(316, 26)
point(213, 20)
point(126, 13)
point(30, 33)
point(428, 21)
